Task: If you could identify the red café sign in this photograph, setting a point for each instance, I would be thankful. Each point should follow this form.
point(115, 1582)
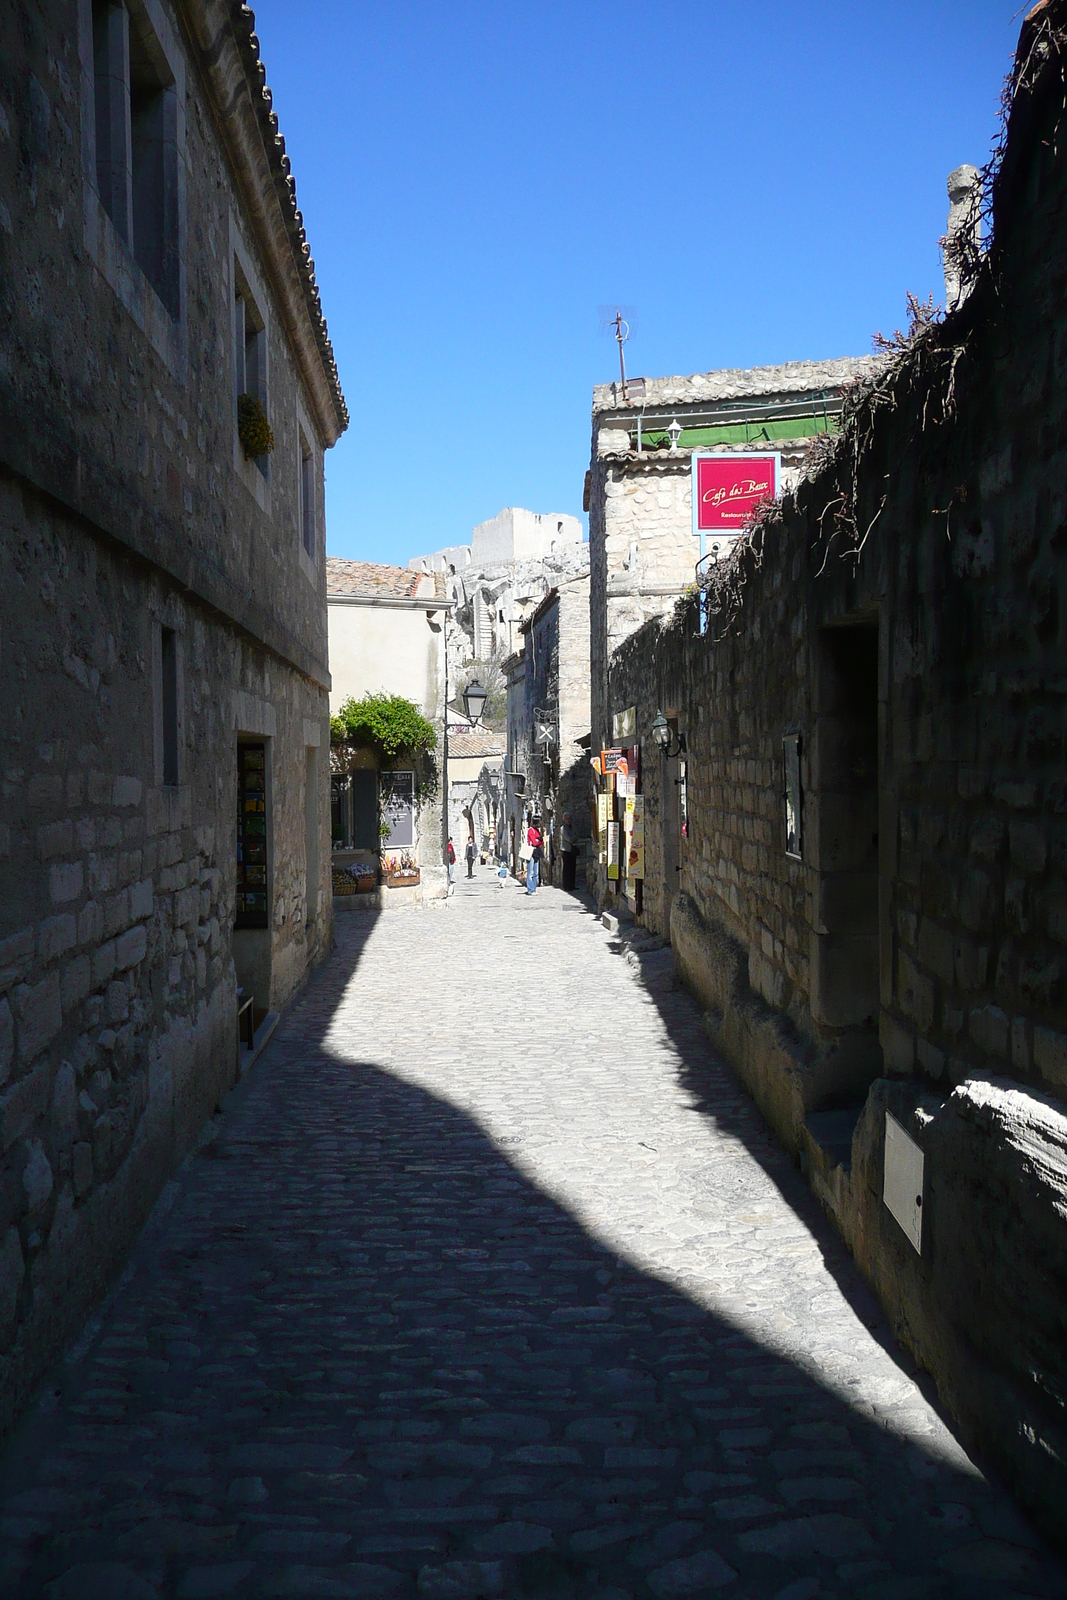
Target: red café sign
point(728, 488)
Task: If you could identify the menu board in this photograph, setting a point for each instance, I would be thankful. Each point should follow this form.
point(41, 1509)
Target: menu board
point(613, 849)
point(635, 857)
point(251, 906)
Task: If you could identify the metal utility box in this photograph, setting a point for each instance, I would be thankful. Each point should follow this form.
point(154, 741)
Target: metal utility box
point(902, 1187)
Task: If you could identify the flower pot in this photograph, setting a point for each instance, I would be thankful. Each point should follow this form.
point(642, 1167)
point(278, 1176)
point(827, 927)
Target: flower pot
point(402, 880)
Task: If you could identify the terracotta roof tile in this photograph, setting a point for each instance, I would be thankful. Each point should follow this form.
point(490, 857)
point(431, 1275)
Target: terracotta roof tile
point(479, 742)
point(244, 24)
point(372, 580)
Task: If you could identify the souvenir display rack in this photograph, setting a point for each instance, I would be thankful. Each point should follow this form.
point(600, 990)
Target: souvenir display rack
point(251, 836)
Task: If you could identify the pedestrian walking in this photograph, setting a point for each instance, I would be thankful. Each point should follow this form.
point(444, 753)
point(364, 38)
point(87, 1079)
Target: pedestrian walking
point(471, 853)
point(568, 852)
point(451, 866)
point(533, 864)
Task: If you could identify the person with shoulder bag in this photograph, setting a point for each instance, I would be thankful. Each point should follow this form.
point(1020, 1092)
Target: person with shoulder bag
point(533, 864)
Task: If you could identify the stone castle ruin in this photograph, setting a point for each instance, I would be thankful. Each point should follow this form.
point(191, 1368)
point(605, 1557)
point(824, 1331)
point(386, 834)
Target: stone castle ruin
point(498, 580)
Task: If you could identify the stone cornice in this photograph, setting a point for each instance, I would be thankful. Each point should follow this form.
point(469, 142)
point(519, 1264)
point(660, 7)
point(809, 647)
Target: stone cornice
point(227, 51)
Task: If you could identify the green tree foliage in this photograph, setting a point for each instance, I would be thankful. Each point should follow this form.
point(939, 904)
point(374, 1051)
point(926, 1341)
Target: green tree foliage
point(385, 723)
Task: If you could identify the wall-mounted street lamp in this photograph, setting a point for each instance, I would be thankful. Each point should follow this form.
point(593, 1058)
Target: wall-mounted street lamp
point(674, 433)
point(663, 733)
point(474, 698)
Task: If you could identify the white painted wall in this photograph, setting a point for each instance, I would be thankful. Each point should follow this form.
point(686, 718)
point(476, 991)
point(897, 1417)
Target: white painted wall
point(395, 649)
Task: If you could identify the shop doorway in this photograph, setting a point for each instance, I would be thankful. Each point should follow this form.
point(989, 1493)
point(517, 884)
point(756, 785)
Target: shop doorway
point(845, 968)
point(254, 866)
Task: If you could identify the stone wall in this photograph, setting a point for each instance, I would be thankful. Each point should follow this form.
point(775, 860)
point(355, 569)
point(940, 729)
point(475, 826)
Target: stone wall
point(903, 617)
point(555, 681)
point(163, 597)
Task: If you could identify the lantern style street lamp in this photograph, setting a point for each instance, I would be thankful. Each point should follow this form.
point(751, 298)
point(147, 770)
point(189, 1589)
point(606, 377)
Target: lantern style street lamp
point(663, 734)
point(474, 698)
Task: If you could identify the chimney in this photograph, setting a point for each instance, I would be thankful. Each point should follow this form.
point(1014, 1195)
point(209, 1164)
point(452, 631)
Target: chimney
point(964, 232)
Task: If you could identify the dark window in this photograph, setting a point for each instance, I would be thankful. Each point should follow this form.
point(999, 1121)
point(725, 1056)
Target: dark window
point(170, 705)
point(136, 142)
point(249, 353)
point(365, 809)
point(111, 85)
point(307, 501)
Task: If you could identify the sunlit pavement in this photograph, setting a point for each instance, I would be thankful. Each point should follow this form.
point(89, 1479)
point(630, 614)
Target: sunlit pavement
point(491, 1282)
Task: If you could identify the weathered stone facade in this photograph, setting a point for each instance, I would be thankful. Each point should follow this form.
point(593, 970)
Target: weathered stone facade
point(638, 494)
point(554, 688)
point(903, 618)
point(163, 606)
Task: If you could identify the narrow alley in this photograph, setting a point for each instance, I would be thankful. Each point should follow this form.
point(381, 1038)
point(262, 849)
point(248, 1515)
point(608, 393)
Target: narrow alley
point(490, 1282)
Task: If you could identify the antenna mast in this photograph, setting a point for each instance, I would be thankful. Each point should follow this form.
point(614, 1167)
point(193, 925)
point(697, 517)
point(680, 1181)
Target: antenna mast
point(622, 333)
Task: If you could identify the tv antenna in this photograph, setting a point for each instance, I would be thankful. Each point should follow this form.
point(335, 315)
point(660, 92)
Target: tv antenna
point(620, 322)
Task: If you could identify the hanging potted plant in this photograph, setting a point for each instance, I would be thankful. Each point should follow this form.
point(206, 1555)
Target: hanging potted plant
point(253, 428)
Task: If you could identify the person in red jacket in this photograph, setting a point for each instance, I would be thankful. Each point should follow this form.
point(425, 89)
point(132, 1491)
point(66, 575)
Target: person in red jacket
point(451, 865)
point(535, 840)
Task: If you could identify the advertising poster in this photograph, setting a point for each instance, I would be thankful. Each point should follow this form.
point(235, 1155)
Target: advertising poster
point(613, 761)
point(602, 827)
point(635, 861)
point(613, 850)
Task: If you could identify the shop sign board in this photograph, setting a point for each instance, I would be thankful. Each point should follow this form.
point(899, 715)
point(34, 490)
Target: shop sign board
point(613, 850)
point(729, 485)
point(602, 827)
point(624, 723)
point(635, 859)
point(613, 761)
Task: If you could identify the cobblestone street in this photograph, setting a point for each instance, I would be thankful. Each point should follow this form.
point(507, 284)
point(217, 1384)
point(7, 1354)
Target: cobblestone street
point(490, 1282)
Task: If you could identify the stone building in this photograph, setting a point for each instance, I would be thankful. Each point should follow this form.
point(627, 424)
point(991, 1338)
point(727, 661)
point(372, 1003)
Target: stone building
point(643, 549)
point(386, 629)
point(164, 815)
point(872, 844)
point(548, 732)
point(475, 786)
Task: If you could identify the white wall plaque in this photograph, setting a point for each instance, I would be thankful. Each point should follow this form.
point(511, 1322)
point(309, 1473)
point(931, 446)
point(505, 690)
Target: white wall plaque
point(902, 1188)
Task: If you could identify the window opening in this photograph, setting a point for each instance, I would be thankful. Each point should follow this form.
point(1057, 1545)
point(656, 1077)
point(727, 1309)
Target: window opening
point(251, 906)
point(169, 661)
point(111, 93)
point(307, 500)
point(250, 355)
point(135, 108)
point(153, 164)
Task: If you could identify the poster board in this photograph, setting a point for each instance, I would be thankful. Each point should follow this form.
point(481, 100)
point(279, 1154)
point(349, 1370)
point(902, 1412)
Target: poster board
point(635, 860)
point(613, 850)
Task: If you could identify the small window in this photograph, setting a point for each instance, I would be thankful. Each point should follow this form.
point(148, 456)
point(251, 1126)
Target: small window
point(169, 704)
point(250, 357)
point(136, 142)
point(111, 88)
point(307, 498)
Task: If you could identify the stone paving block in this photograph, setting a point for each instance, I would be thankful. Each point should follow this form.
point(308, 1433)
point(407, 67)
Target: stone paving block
point(511, 1305)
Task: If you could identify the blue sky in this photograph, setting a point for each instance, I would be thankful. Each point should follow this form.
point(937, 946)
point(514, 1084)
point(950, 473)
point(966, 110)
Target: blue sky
point(761, 183)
